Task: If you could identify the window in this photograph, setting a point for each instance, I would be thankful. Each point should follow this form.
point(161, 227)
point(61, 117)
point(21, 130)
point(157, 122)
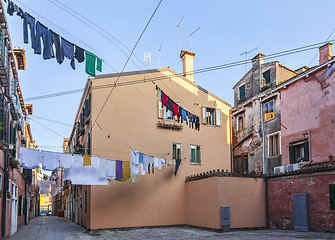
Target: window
point(163, 114)
point(195, 154)
point(274, 145)
point(266, 78)
point(241, 92)
point(269, 110)
point(240, 163)
point(9, 189)
point(86, 201)
point(21, 202)
point(211, 116)
point(89, 142)
point(176, 151)
point(299, 152)
point(0, 181)
point(239, 122)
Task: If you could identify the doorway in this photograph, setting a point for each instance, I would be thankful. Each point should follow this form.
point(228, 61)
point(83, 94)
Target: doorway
point(13, 228)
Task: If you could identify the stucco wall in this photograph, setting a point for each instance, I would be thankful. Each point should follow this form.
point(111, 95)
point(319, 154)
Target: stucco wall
point(129, 120)
point(309, 105)
point(280, 200)
point(244, 196)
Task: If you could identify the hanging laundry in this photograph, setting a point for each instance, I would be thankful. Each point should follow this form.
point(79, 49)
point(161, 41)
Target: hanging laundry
point(77, 160)
point(170, 104)
point(159, 92)
point(10, 8)
point(95, 161)
point(197, 123)
point(125, 170)
point(142, 171)
point(42, 31)
point(87, 160)
point(111, 172)
point(28, 20)
point(178, 161)
point(134, 161)
point(84, 175)
point(50, 160)
point(133, 177)
point(67, 51)
point(91, 59)
point(66, 160)
point(118, 170)
point(102, 167)
point(140, 158)
point(29, 158)
point(145, 162)
point(79, 54)
point(55, 40)
point(156, 162)
point(164, 100)
point(176, 110)
point(183, 115)
point(44, 187)
point(54, 190)
point(99, 64)
point(19, 11)
point(151, 164)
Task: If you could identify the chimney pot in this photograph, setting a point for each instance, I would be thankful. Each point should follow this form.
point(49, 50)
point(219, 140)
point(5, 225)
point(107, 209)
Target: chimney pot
point(325, 53)
point(187, 58)
point(258, 60)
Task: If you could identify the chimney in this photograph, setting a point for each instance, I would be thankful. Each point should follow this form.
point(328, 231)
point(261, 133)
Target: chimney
point(325, 53)
point(258, 60)
point(187, 58)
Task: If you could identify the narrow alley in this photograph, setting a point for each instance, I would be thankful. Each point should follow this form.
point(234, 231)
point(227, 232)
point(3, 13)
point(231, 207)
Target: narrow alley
point(56, 228)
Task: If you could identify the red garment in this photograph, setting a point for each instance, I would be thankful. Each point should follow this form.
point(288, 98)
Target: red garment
point(176, 109)
point(165, 100)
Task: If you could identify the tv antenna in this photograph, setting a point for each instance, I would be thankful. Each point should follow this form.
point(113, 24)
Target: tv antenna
point(147, 57)
point(159, 55)
point(180, 21)
point(192, 34)
point(246, 58)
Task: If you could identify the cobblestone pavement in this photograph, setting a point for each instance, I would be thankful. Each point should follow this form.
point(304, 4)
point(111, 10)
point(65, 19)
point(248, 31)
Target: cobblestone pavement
point(55, 228)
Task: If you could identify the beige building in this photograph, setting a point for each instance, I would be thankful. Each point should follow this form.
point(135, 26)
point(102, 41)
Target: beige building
point(132, 117)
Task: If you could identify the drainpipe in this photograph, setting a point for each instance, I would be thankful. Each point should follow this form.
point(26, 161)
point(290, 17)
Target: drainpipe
point(4, 197)
point(263, 136)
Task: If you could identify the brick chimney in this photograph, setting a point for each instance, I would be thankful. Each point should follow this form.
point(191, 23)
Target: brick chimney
point(187, 58)
point(325, 53)
point(258, 60)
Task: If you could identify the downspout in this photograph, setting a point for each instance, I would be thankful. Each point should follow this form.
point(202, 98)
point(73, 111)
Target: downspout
point(5, 192)
point(263, 136)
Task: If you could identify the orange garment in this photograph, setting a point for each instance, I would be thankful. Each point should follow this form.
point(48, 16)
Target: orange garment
point(87, 160)
point(126, 170)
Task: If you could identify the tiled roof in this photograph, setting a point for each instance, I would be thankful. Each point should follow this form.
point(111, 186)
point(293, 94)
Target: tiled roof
point(221, 173)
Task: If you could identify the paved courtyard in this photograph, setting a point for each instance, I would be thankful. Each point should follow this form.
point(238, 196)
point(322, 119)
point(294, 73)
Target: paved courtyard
point(55, 228)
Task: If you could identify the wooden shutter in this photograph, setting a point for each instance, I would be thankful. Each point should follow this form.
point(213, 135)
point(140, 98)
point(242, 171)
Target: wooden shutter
point(160, 109)
point(218, 117)
point(291, 151)
point(204, 119)
point(306, 152)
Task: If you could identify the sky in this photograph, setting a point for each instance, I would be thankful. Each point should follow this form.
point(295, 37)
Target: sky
point(227, 29)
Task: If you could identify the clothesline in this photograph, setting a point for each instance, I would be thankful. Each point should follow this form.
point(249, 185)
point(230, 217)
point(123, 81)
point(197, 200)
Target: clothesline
point(63, 47)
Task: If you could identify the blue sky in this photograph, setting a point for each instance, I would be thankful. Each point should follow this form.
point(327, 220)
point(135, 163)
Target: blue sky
point(227, 28)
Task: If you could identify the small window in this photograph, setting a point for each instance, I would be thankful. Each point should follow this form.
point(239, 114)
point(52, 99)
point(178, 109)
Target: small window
point(176, 151)
point(269, 110)
point(299, 152)
point(163, 113)
point(274, 145)
point(240, 163)
point(89, 142)
point(86, 200)
point(239, 122)
point(211, 116)
point(195, 154)
point(266, 78)
point(241, 92)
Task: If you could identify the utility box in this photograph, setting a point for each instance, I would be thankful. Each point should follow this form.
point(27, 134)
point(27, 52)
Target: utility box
point(301, 212)
point(225, 219)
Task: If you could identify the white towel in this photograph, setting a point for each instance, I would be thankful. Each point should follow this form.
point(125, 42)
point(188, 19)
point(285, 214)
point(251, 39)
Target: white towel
point(29, 158)
point(77, 160)
point(134, 161)
point(65, 160)
point(110, 171)
point(50, 160)
point(102, 167)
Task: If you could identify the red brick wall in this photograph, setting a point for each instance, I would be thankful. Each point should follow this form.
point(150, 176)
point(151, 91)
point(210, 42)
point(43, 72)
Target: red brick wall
point(280, 200)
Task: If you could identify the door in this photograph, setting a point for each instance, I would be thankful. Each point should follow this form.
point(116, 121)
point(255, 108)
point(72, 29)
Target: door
point(13, 228)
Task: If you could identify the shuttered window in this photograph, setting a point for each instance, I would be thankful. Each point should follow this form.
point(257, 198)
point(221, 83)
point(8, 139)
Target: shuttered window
point(274, 145)
point(241, 92)
point(195, 154)
point(299, 152)
point(211, 116)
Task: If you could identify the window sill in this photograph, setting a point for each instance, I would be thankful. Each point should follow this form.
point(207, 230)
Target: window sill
point(274, 156)
point(195, 164)
point(269, 119)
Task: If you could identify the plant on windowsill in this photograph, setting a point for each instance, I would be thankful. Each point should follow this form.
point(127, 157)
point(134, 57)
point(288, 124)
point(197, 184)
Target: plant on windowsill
point(169, 126)
point(13, 162)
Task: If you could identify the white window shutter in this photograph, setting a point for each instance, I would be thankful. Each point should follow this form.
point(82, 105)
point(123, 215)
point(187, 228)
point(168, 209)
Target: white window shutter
point(218, 117)
point(160, 109)
point(204, 120)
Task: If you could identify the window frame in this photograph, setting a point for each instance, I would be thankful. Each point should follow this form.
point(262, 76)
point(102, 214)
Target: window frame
point(196, 155)
point(210, 116)
point(237, 127)
point(239, 92)
point(180, 151)
point(272, 135)
point(238, 163)
point(292, 150)
point(267, 115)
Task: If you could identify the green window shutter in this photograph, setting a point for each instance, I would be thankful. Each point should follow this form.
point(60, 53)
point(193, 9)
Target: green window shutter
point(198, 154)
point(242, 92)
point(332, 196)
point(291, 151)
point(266, 76)
point(192, 155)
point(89, 143)
point(306, 152)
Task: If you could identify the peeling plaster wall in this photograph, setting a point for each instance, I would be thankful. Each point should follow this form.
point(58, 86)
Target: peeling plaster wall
point(280, 200)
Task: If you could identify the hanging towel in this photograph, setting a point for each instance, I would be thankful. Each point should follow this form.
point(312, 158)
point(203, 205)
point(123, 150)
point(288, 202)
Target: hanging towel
point(110, 172)
point(176, 110)
point(42, 31)
point(28, 20)
point(29, 158)
point(125, 170)
point(178, 161)
point(95, 161)
point(87, 160)
point(133, 177)
point(50, 160)
point(170, 104)
point(55, 40)
point(145, 162)
point(156, 162)
point(77, 160)
point(118, 169)
point(44, 187)
point(79, 54)
point(165, 100)
point(99, 64)
point(102, 167)
point(134, 161)
point(67, 51)
point(65, 160)
point(159, 92)
point(140, 157)
point(54, 190)
point(142, 171)
point(90, 63)
point(85, 175)
point(151, 164)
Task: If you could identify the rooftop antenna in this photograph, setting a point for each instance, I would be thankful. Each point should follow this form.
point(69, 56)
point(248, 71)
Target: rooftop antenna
point(192, 34)
point(246, 58)
point(159, 55)
point(178, 32)
point(147, 57)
